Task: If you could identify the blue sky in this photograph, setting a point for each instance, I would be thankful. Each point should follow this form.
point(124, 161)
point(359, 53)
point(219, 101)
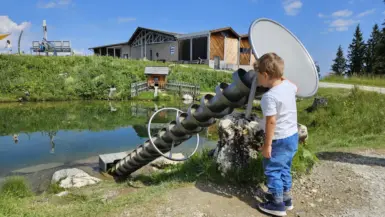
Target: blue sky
point(321, 25)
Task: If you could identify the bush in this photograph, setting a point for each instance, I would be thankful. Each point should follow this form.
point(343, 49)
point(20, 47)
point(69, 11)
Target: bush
point(87, 77)
point(15, 186)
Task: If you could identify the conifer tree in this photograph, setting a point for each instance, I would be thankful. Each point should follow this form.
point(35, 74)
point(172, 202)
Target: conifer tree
point(379, 55)
point(356, 53)
point(370, 53)
point(339, 66)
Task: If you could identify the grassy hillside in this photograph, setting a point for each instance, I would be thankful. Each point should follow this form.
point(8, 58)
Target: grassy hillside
point(378, 81)
point(352, 118)
point(78, 77)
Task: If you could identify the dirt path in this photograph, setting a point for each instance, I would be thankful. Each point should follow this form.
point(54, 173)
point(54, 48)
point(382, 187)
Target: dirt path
point(342, 184)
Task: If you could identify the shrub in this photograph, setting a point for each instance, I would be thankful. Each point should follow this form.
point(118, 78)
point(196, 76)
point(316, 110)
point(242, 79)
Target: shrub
point(16, 186)
point(87, 77)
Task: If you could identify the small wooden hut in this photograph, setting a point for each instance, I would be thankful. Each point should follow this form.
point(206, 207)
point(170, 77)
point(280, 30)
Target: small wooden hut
point(156, 76)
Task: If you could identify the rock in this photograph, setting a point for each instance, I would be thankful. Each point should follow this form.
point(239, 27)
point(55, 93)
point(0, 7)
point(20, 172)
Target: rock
point(61, 194)
point(314, 190)
point(187, 97)
point(162, 162)
point(239, 140)
point(188, 101)
point(302, 133)
point(70, 178)
point(319, 200)
point(317, 103)
point(312, 205)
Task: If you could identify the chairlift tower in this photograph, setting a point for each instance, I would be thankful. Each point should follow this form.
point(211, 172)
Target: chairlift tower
point(46, 46)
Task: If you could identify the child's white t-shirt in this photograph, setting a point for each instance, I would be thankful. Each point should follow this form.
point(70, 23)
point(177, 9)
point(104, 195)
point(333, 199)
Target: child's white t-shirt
point(280, 101)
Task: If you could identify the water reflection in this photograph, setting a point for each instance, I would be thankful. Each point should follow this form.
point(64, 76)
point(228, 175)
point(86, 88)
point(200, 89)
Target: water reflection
point(68, 131)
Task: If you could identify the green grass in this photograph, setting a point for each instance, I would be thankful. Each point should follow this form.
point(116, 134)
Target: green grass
point(149, 96)
point(77, 77)
point(16, 187)
point(89, 201)
point(378, 81)
point(352, 119)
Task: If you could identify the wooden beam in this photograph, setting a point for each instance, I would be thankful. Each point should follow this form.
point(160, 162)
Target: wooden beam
point(208, 47)
point(239, 51)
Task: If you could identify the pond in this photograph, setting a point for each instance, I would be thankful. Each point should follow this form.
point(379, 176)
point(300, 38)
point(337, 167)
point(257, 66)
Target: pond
point(48, 134)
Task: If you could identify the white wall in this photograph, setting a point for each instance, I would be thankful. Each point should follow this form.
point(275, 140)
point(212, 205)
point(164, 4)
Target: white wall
point(125, 50)
point(163, 49)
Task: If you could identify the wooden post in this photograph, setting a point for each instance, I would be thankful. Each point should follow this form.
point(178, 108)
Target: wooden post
point(239, 51)
point(208, 47)
point(136, 89)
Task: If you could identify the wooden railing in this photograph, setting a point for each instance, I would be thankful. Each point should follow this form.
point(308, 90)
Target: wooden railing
point(183, 88)
point(138, 87)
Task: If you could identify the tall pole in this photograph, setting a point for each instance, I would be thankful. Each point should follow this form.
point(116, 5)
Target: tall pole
point(45, 29)
point(21, 33)
point(45, 36)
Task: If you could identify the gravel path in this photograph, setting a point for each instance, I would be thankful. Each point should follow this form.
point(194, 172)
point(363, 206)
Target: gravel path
point(342, 184)
point(350, 86)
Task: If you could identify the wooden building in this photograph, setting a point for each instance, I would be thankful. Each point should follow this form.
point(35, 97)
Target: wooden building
point(156, 76)
point(246, 53)
point(219, 48)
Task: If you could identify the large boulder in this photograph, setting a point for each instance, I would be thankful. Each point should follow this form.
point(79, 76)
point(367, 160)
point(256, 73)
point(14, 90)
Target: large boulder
point(73, 178)
point(240, 140)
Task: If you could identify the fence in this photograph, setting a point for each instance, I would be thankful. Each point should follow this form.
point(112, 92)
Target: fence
point(138, 87)
point(183, 88)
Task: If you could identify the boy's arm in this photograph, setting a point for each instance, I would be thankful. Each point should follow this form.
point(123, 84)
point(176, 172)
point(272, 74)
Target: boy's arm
point(270, 127)
point(269, 110)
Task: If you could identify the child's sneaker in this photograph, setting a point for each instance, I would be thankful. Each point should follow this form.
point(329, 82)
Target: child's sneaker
point(273, 208)
point(288, 204)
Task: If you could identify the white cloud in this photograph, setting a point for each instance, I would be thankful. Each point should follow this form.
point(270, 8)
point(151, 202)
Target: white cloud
point(292, 7)
point(126, 19)
point(341, 25)
point(321, 15)
point(366, 13)
point(342, 13)
point(9, 26)
point(54, 3)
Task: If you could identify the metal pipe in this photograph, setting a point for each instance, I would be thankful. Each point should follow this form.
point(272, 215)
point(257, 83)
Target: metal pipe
point(191, 122)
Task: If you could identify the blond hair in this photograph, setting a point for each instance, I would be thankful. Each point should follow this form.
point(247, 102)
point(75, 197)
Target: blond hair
point(270, 63)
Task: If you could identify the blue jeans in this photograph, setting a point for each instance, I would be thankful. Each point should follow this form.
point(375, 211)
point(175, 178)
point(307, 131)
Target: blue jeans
point(278, 168)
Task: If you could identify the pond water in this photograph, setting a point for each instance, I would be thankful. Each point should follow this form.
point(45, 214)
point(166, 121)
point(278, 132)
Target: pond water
point(58, 133)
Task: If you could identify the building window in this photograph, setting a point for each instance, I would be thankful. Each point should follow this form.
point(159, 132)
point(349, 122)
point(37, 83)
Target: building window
point(245, 50)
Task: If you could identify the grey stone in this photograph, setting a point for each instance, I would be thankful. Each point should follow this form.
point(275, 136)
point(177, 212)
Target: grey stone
point(61, 194)
point(70, 178)
point(161, 162)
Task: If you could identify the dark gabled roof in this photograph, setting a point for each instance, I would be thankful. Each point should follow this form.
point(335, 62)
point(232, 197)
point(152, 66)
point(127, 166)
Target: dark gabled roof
point(244, 35)
point(109, 45)
point(225, 29)
point(137, 31)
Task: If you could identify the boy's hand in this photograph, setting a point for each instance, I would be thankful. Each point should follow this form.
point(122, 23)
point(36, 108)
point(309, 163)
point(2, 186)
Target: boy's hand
point(266, 151)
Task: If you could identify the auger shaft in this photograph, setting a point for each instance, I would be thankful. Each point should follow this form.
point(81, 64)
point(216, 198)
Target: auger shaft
point(193, 121)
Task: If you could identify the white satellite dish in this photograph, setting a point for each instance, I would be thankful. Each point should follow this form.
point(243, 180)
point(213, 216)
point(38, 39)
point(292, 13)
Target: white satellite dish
point(267, 36)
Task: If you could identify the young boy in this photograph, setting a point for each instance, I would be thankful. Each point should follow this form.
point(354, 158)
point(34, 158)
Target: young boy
point(281, 133)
